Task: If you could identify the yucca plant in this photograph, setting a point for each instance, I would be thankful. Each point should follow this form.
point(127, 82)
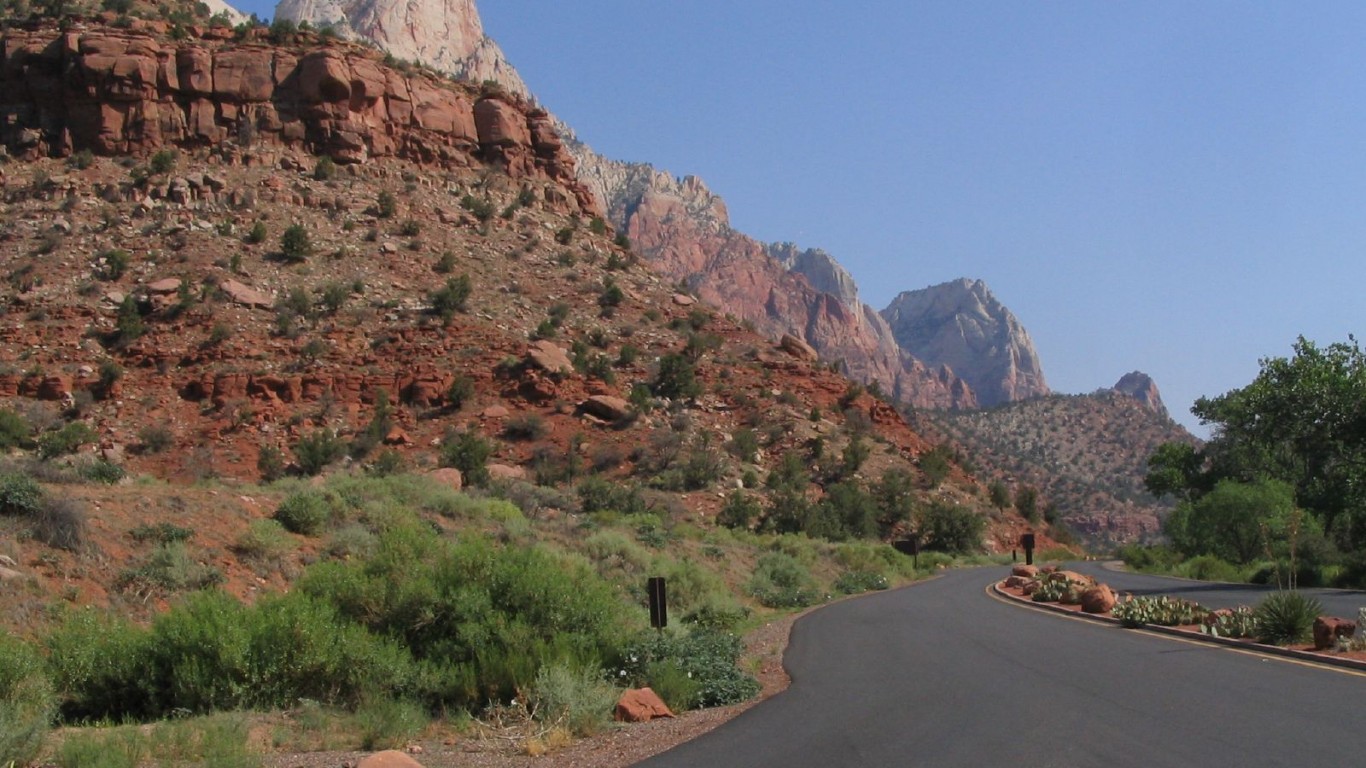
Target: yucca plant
point(1286, 617)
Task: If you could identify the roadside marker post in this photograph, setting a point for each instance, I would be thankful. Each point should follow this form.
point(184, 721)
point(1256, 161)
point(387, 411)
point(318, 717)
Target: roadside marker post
point(1027, 544)
point(659, 602)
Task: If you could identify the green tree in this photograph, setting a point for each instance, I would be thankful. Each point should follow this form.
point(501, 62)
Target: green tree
point(999, 494)
point(1178, 470)
point(950, 528)
point(1237, 522)
point(1027, 503)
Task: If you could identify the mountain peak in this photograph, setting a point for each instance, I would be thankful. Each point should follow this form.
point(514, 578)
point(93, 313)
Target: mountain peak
point(445, 34)
point(1141, 387)
point(962, 325)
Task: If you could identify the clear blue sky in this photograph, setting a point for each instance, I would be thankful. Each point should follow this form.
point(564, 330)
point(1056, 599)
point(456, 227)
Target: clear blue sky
point(1173, 187)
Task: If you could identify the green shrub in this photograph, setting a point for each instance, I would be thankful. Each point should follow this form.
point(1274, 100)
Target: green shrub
point(1286, 617)
point(19, 494)
point(100, 471)
point(316, 450)
point(950, 528)
point(854, 582)
point(386, 205)
point(304, 513)
point(779, 581)
point(1210, 568)
point(65, 441)
point(468, 452)
point(264, 541)
point(113, 264)
point(577, 699)
point(598, 494)
point(388, 723)
point(526, 426)
point(325, 169)
point(482, 618)
point(163, 161)
point(14, 430)
point(295, 243)
point(451, 297)
point(740, 510)
point(676, 379)
point(257, 233)
point(155, 438)
point(27, 701)
point(270, 462)
point(707, 659)
point(168, 569)
point(1236, 622)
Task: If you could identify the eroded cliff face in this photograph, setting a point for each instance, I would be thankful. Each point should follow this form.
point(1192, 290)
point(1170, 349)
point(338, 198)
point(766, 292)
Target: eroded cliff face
point(134, 91)
point(962, 325)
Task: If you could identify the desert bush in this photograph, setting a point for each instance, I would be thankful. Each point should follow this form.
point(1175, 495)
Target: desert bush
point(169, 568)
point(451, 297)
point(676, 378)
point(482, 618)
point(708, 659)
point(14, 430)
point(780, 581)
point(155, 438)
point(295, 243)
point(384, 722)
point(468, 452)
point(577, 699)
point(386, 205)
point(305, 512)
point(27, 701)
point(525, 426)
point(20, 494)
point(317, 449)
point(460, 392)
point(163, 161)
point(325, 169)
point(264, 541)
point(64, 441)
point(1286, 617)
point(61, 522)
point(257, 233)
point(597, 494)
point(1209, 568)
point(270, 462)
point(161, 533)
point(854, 582)
point(740, 510)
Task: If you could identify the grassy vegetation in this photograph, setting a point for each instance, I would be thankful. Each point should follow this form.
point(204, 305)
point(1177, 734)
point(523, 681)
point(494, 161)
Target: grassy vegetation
point(425, 606)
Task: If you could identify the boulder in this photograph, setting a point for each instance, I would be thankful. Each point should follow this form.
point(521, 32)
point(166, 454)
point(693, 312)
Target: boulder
point(500, 123)
point(797, 348)
point(548, 357)
point(606, 407)
point(164, 285)
point(1098, 599)
point(1071, 577)
point(684, 300)
point(505, 472)
point(494, 412)
point(245, 295)
point(641, 705)
point(1027, 571)
point(449, 477)
point(390, 758)
point(1327, 630)
point(1016, 582)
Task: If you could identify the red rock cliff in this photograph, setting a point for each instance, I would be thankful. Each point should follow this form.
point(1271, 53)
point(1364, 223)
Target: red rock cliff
point(125, 91)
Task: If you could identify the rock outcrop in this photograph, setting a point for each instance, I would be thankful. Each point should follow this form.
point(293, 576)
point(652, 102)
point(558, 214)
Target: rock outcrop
point(133, 92)
point(960, 324)
point(1141, 387)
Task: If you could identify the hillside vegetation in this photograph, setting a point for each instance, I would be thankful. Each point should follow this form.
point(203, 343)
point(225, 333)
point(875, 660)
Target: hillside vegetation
point(1086, 454)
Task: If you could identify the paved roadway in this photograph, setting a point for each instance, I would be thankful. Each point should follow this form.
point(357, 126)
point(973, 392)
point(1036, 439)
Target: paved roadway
point(940, 674)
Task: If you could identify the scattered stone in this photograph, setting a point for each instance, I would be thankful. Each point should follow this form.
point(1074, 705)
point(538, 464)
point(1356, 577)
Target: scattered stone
point(641, 705)
point(1327, 630)
point(684, 300)
point(397, 436)
point(494, 412)
point(1027, 571)
point(449, 477)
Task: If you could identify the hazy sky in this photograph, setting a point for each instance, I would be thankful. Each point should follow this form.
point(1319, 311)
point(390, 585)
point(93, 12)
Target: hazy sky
point(1173, 187)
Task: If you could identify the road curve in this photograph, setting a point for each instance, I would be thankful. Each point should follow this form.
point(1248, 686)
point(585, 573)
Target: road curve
point(941, 674)
point(1336, 602)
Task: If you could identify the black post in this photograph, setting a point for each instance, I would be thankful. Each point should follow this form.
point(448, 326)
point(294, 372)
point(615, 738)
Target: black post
point(659, 602)
point(1027, 541)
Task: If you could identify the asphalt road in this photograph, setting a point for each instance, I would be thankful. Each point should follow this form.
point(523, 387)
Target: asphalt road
point(940, 674)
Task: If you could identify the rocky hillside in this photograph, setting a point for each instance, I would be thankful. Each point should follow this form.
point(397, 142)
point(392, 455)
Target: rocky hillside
point(676, 223)
point(1087, 454)
point(962, 326)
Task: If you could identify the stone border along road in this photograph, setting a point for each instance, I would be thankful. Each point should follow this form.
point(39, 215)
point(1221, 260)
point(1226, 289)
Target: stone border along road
point(1336, 599)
